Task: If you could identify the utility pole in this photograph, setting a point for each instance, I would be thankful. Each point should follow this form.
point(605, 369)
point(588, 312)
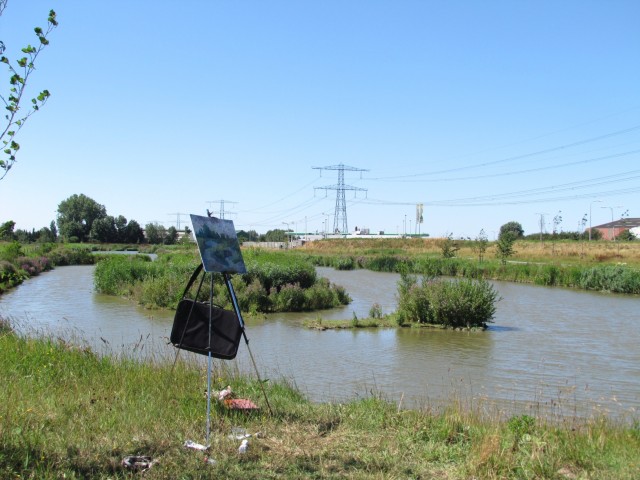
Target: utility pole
point(221, 211)
point(340, 217)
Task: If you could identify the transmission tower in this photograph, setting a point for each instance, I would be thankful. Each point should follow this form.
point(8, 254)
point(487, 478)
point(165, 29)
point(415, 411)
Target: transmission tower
point(340, 217)
point(177, 214)
point(221, 202)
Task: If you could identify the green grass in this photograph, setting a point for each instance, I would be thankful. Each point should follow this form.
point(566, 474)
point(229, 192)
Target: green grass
point(66, 412)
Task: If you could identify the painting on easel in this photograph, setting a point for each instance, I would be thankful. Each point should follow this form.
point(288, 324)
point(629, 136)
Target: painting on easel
point(218, 245)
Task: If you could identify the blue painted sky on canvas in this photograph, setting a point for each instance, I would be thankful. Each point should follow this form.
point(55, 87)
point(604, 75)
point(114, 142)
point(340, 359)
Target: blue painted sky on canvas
point(485, 112)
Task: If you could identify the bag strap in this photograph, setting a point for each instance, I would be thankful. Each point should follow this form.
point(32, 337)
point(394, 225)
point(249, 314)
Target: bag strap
point(194, 275)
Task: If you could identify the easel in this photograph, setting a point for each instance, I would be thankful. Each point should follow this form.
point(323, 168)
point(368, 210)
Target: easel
point(226, 275)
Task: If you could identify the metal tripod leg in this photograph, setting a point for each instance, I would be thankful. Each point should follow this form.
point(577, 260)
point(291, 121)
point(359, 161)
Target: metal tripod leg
point(236, 307)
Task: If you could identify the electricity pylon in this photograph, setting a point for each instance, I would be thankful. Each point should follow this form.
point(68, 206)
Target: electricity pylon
point(340, 216)
point(177, 218)
point(222, 202)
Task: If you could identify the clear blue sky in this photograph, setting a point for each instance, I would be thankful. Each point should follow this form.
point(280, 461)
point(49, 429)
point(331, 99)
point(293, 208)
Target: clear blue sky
point(484, 111)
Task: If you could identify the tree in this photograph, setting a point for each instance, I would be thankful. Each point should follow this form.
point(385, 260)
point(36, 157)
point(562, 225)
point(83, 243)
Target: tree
point(626, 236)
point(250, 236)
point(104, 230)
point(512, 227)
point(19, 73)
point(172, 236)
point(480, 245)
point(504, 246)
point(6, 230)
point(45, 235)
point(449, 246)
point(120, 223)
point(76, 215)
point(277, 235)
point(155, 233)
point(133, 232)
point(54, 230)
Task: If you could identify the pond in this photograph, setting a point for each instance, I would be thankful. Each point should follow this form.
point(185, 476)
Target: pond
point(550, 351)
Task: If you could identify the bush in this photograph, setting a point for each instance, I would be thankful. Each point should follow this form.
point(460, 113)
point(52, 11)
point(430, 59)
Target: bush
point(345, 263)
point(33, 266)
point(63, 256)
point(290, 298)
point(612, 278)
point(117, 274)
point(384, 263)
point(10, 276)
point(276, 275)
point(253, 298)
point(457, 304)
point(10, 251)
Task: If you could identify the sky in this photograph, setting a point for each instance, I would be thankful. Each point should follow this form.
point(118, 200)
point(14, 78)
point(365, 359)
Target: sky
point(484, 112)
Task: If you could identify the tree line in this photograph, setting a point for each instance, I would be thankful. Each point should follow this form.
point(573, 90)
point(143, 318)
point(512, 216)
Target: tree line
point(81, 219)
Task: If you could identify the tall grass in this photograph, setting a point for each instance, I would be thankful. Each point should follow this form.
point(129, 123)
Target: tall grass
point(66, 412)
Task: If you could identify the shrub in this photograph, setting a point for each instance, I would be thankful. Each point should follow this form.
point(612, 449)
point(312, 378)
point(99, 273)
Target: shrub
point(33, 266)
point(116, 274)
point(458, 304)
point(345, 263)
point(10, 276)
point(413, 303)
point(10, 251)
point(612, 278)
point(253, 298)
point(463, 303)
point(63, 256)
point(384, 263)
point(276, 275)
point(375, 311)
point(290, 298)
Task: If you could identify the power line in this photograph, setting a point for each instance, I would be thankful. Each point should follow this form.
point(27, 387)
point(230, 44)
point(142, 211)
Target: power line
point(517, 157)
point(530, 170)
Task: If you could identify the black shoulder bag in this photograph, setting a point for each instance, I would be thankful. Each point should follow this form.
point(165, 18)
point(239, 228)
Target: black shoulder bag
point(191, 327)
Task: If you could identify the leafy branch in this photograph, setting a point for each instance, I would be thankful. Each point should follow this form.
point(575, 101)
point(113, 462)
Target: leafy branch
point(19, 73)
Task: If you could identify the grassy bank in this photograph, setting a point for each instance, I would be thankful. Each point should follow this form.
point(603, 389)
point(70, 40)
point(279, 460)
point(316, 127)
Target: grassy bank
point(66, 412)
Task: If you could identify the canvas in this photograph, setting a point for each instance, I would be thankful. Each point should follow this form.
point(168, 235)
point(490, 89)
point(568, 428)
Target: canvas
point(218, 245)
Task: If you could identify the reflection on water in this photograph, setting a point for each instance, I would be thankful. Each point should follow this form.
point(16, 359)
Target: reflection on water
point(551, 350)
